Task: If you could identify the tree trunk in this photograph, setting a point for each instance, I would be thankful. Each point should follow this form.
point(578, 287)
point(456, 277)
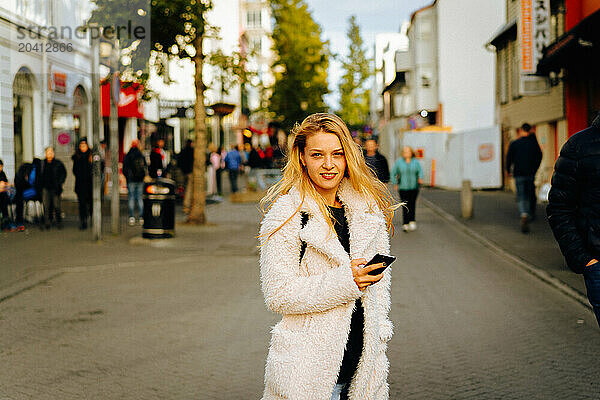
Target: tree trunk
point(197, 215)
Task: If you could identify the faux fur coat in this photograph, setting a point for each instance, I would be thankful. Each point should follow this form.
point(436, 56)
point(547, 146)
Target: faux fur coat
point(316, 298)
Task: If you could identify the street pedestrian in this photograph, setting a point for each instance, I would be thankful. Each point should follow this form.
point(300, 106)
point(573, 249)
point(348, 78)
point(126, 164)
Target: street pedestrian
point(219, 171)
point(158, 160)
point(233, 162)
point(5, 222)
point(82, 169)
point(574, 211)
point(407, 176)
point(134, 169)
point(185, 162)
point(376, 161)
point(254, 163)
point(213, 164)
point(522, 161)
point(105, 168)
point(327, 217)
point(28, 185)
point(54, 175)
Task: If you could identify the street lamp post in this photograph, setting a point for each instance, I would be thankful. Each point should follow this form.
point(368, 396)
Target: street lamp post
point(110, 58)
point(96, 160)
point(114, 140)
point(221, 110)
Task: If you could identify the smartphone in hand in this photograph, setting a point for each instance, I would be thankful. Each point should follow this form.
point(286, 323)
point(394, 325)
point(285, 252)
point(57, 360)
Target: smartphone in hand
point(380, 258)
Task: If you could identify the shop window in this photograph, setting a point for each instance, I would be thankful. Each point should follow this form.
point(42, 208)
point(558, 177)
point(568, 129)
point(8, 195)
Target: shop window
point(23, 117)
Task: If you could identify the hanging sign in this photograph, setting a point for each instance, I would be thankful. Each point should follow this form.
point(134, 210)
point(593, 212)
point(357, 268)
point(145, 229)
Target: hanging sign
point(534, 36)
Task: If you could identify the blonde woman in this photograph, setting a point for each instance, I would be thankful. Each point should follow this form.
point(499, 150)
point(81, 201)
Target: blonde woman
point(328, 215)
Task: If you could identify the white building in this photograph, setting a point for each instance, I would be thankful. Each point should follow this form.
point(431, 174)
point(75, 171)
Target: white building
point(386, 45)
point(256, 43)
point(441, 101)
point(45, 79)
point(244, 26)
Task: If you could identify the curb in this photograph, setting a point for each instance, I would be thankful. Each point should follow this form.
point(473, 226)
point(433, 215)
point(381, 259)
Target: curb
point(522, 264)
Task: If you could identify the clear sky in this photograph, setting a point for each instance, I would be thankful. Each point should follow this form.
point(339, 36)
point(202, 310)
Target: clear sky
point(373, 16)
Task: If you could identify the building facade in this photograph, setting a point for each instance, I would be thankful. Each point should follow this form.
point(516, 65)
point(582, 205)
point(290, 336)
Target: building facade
point(443, 90)
point(45, 79)
point(521, 95)
point(256, 44)
point(572, 60)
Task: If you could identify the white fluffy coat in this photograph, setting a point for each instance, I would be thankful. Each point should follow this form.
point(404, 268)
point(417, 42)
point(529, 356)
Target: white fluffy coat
point(316, 298)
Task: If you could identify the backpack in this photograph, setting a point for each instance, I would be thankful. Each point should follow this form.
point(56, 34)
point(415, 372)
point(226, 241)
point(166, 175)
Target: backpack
point(138, 169)
point(31, 192)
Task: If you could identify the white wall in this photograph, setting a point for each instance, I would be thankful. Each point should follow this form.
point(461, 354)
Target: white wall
point(466, 68)
point(458, 157)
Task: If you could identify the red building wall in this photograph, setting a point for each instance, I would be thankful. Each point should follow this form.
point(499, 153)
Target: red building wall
point(576, 93)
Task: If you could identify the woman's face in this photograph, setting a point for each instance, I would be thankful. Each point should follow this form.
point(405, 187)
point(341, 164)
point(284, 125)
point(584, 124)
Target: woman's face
point(325, 161)
point(83, 147)
point(407, 152)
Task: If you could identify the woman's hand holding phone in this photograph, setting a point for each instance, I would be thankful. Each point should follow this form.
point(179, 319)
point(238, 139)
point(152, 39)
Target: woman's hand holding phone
point(361, 274)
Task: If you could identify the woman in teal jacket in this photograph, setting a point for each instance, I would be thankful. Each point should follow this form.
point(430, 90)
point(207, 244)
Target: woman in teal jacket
point(407, 175)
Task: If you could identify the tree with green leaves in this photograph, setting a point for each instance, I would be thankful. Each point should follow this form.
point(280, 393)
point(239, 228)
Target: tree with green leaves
point(354, 95)
point(178, 29)
point(301, 63)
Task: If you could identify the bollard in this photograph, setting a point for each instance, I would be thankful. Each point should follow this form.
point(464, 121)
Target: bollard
point(466, 199)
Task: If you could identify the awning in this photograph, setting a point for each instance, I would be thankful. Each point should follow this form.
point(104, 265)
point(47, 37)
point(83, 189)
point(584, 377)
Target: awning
point(503, 34)
point(399, 80)
point(577, 46)
point(130, 105)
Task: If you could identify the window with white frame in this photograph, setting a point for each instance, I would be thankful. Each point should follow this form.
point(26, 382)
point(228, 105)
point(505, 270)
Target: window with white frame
point(255, 43)
point(253, 19)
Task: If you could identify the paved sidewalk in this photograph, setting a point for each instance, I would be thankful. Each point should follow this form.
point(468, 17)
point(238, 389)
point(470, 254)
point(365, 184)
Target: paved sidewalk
point(34, 256)
point(495, 217)
point(186, 319)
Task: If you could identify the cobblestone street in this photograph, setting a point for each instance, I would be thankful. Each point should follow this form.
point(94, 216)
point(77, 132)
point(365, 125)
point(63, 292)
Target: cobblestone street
point(190, 322)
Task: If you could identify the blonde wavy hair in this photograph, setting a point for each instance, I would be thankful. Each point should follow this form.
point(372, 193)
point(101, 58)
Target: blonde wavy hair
point(362, 178)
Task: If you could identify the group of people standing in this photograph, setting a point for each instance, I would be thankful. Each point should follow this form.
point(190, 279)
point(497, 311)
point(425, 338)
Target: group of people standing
point(43, 180)
point(245, 159)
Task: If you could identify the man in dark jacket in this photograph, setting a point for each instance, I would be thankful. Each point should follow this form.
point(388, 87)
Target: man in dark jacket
point(522, 161)
point(185, 162)
point(573, 208)
point(54, 175)
point(376, 161)
point(134, 169)
point(158, 160)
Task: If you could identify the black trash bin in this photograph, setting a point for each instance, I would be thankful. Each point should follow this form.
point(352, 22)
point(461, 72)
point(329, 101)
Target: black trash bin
point(159, 209)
